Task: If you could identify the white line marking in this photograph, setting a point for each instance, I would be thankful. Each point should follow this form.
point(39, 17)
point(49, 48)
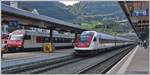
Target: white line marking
point(126, 64)
point(115, 68)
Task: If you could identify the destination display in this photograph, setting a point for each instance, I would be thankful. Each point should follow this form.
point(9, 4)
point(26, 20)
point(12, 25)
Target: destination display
point(140, 12)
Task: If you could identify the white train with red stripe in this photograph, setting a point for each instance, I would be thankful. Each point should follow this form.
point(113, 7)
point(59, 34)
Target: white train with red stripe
point(31, 39)
point(93, 42)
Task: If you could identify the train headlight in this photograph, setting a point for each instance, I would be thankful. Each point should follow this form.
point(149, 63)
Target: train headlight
point(77, 44)
point(19, 46)
point(87, 43)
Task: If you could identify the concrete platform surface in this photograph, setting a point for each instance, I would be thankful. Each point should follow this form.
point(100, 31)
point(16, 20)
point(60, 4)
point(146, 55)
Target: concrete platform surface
point(12, 59)
point(135, 62)
point(140, 62)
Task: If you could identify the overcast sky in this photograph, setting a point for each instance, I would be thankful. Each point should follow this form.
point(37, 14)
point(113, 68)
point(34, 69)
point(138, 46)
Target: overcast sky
point(69, 2)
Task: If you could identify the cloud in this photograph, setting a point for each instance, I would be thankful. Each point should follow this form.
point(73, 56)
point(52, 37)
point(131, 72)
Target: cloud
point(69, 2)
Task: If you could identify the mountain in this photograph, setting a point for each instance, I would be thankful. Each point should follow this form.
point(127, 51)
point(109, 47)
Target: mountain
point(97, 15)
point(96, 10)
point(52, 9)
point(49, 8)
point(83, 11)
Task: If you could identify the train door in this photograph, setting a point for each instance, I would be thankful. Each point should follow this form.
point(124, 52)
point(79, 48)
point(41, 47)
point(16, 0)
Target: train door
point(95, 42)
point(33, 39)
point(27, 41)
point(101, 42)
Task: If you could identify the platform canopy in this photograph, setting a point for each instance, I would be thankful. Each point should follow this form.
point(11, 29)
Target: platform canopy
point(30, 19)
point(137, 13)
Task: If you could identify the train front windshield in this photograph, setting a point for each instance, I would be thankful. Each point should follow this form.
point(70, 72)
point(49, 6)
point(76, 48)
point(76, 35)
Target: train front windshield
point(16, 37)
point(86, 37)
point(83, 38)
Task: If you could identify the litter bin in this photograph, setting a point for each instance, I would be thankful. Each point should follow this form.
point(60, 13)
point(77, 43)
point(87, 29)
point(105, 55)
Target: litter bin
point(48, 47)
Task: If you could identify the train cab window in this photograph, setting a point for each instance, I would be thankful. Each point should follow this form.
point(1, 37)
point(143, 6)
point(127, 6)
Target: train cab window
point(27, 37)
point(16, 37)
point(94, 39)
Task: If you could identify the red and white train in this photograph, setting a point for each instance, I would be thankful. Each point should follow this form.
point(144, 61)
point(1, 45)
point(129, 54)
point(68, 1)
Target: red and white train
point(31, 39)
point(4, 37)
point(93, 42)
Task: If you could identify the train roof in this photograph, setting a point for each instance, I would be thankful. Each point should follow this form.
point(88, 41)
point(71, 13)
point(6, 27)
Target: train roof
point(34, 32)
point(110, 37)
point(107, 36)
point(123, 39)
point(20, 12)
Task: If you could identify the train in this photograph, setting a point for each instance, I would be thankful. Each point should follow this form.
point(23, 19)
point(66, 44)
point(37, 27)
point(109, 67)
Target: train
point(31, 39)
point(91, 42)
point(4, 37)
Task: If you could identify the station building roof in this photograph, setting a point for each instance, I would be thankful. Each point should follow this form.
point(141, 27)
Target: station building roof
point(6, 9)
point(137, 13)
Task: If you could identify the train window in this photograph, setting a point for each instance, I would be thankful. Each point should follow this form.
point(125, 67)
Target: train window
point(27, 37)
point(58, 40)
point(46, 39)
point(55, 39)
point(64, 40)
point(94, 39)
point(67, 40)
point(39, 39)
point(70, 40)
point(99, 40)
point(109, 41)
point(61, 40)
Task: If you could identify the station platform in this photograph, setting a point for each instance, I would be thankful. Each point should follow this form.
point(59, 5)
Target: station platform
point(135, 62)
point(13, 59)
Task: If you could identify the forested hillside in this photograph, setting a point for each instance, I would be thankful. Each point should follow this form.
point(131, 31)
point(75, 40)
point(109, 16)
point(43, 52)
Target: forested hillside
point(101, 16)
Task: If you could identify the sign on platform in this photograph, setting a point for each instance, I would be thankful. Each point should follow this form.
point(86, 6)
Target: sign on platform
point(140, 12)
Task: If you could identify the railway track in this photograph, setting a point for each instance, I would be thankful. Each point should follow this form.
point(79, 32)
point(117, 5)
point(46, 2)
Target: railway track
point(85, 65)
point(102, 67)
point(67, 66)
point(30, 66)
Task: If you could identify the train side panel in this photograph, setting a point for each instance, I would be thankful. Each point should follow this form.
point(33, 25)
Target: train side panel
point(99, 42)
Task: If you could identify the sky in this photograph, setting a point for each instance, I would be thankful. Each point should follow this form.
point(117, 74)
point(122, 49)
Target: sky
point(69, 2)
